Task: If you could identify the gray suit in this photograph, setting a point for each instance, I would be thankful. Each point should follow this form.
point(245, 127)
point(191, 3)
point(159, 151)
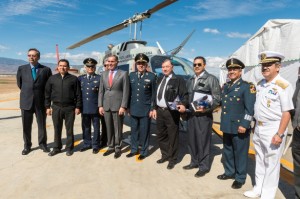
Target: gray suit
point(112, 99)
point(32, 97)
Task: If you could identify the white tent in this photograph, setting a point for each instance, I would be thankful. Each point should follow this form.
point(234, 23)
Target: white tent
point(281, 35)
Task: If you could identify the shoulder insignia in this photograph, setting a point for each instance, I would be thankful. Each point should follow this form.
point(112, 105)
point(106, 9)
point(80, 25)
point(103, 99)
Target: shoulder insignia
point(281, 84)
point(252, 88)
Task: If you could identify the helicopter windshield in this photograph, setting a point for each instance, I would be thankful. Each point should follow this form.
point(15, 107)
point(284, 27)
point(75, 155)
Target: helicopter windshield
point(181, 67)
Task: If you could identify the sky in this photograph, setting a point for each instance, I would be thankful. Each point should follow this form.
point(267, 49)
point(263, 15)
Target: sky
point(222, 26)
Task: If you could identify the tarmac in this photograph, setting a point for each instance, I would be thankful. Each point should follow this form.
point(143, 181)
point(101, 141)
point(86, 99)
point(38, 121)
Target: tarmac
point(87, 175)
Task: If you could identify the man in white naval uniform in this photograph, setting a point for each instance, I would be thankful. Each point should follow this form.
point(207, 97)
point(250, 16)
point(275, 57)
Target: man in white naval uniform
point(272, 114)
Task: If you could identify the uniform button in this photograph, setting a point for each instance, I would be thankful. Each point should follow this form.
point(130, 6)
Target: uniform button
point(87, 98)
point(138, 83)
point(225, 95)
point(87, 93)
point(238, 120)
point(224, 112)
point(87, 88)
point(137, 100)
point(138, 89)
point(137, 94)
point(224, 107)
point(225, 101)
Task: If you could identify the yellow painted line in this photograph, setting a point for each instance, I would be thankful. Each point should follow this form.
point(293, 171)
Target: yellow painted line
point(77, 142)
point(11, 99)
point(285, 163)
point(10, 109)
point(103, 150)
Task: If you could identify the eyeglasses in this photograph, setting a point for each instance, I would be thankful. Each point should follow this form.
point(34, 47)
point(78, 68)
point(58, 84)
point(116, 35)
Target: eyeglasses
point(199, 64)
point(32, 55)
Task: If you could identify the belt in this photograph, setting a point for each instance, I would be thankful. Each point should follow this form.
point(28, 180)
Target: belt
point(163, 108)
point(260, 123)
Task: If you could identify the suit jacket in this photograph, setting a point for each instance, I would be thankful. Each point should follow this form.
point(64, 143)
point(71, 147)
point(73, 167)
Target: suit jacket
point(90, 92)
point(32, 90)
point(237, 106)
point(142, 93)
point(116, 96)
point(176, 86)
point(207, 84)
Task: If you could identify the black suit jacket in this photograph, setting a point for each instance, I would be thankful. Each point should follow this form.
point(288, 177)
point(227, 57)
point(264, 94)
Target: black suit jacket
point(176, 86)
point(32, 90)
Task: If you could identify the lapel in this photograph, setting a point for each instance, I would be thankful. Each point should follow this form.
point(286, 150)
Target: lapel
point(29, 73)
point(39, 71)
point(235, 85)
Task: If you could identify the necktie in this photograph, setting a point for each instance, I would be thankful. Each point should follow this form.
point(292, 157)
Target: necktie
point(110, 80)
point(89, 77)
point(139, 75)
point(161, 89)
point(33, 72)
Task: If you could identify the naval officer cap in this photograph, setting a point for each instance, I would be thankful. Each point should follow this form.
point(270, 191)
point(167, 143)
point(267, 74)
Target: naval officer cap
point(270, 56)
point(234, 63)
point(141, 57)
point(90, 62)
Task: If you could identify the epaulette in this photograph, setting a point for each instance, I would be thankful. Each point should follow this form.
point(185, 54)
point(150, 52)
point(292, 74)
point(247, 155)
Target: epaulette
point(259, 82)
point(281, 84)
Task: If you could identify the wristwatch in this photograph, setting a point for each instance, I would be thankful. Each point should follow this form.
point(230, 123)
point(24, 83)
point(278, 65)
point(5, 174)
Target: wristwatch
point(280, 135)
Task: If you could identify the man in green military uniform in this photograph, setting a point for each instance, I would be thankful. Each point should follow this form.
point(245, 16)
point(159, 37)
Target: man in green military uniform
point(142, 95)
point(238, 98)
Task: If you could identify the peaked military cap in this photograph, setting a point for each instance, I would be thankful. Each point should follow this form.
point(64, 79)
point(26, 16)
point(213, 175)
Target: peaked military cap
point(234, 63)
point(141, 57)
point(270, 56)
point(90, 62)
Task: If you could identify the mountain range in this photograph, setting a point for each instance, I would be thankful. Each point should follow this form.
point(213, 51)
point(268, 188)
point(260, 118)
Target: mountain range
point(10, 66)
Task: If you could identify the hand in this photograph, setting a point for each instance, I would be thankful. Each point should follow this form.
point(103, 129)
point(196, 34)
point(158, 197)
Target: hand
point(181, 108)
point(77, 111)
point(241, 129)
point(276, 140)
point(150, 114)
point(48, 111)
point(122, 111)
point(154, 114)
point(101, 111)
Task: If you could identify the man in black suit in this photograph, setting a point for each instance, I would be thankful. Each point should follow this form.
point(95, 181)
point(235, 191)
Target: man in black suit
point(31, 79)
point(170, 87)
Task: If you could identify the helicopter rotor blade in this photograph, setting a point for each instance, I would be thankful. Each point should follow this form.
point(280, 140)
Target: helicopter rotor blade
point(177, 50)
point(161, 5)
point(100, 34)
point(136, 18)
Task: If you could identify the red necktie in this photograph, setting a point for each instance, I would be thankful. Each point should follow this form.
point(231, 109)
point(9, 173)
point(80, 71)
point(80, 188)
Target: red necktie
point(110, 80)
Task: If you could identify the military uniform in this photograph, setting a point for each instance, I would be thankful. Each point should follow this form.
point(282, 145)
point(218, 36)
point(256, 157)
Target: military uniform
point(237, 110)
point(273, 99)
point(142, 93)
point(90, 89)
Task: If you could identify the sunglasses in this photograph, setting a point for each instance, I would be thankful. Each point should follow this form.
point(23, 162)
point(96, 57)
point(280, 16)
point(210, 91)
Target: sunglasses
point(199, 64)
point(32, 55)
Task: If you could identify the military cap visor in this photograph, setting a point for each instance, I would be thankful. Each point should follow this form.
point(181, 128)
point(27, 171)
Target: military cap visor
point(234, 63)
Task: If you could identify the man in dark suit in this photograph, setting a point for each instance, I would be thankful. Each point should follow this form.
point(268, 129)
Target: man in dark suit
point(89, 114)
point(113, 101)
point(31, 79)
point(238, 98)
point(142, 95)
point(201, 118)
point(170, 88)
point(63, 94)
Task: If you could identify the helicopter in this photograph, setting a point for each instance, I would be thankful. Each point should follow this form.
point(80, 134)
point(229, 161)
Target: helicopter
point(126, 51)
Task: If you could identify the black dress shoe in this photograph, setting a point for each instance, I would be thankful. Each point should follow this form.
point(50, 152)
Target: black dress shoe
point(44, 148)
point(85, 148)
point(162, 160)
point(95, 151)
point(54, 152)
point(69, 152)
point(170, 165)
point(141, 157)
point(224, 177)
point(200, 173)
point(26, 151)
point(189, 167)
point(117, 154)
point(129, 155)
point(108, 152)
point(237, 185)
